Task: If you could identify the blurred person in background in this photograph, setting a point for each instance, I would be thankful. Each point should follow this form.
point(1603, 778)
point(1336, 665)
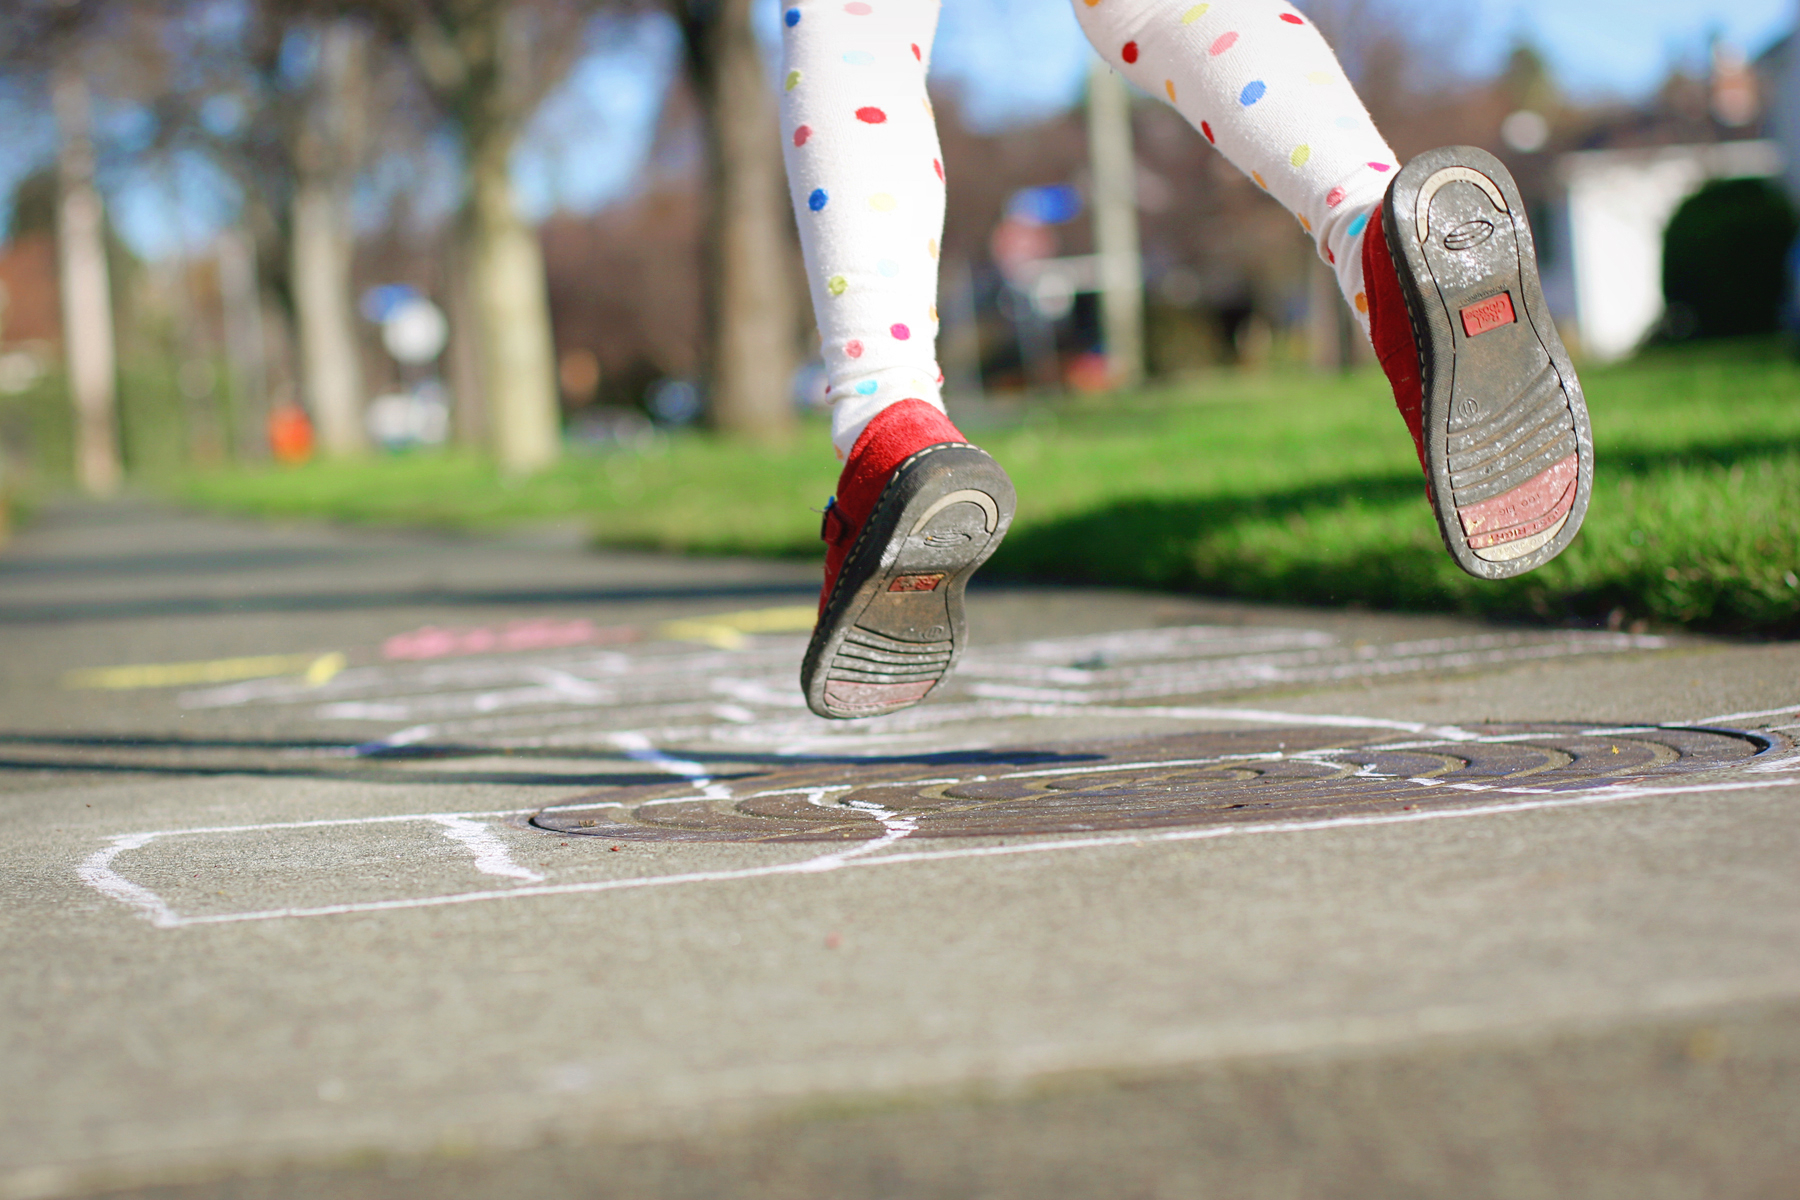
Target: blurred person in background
point(1435, 258)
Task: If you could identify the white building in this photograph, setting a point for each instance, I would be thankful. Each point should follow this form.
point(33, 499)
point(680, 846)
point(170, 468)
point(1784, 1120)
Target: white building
point(1608, 275)
point(1603, 269)
point(1779, 68)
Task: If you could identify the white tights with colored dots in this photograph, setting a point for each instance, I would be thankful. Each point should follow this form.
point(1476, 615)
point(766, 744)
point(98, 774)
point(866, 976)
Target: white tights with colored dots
point(867, 178)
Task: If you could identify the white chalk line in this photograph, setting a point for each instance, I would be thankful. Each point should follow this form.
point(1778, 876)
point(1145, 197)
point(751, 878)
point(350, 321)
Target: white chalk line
point(1311, 666)
point(1328, 720)
point(949, 714)
point(491, 855)
point(957, 713)
point(326, 822)
point(639, 748)
point(97, 870)
point(404, 737)
point(917, 725)
point(1448, 735)
point(562, 682)
point(1209, 659)
point(1567, 800)
point(893, 828)
point(1739, 716)
point(98, 874)
point(808, 790)
point(492, 858)
point(1103, 768)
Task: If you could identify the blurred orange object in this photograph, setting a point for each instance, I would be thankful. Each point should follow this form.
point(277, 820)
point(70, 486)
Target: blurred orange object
point(290, 434)
point(1087, 373)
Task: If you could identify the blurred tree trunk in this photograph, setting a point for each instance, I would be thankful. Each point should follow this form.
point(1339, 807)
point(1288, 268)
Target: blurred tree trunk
point(510, 302)
point(750, 302)
point(245, 343)
point(86, 288)
point(468, 422)
point(488, 70)
point(326, 153)
point(279, 354)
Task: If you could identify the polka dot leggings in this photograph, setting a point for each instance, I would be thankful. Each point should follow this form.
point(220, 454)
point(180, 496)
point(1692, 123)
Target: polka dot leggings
point(867, 178)
point(1259, 82)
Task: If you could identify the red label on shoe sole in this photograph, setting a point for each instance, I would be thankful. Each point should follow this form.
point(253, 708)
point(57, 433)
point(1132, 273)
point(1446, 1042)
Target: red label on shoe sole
point(873, 699)
point(916, 583)
point(1530, 508)
point(1489, 315)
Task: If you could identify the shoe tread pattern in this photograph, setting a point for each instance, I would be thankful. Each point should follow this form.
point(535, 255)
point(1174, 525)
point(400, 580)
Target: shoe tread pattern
point(1529, 436)
point(1501, 402)
point(869, 671)
point(865, 656)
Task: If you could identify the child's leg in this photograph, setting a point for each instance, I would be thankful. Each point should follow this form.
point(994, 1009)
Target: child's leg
point(1257, 79)
point(867, 180)
point(1435, 258)
point(917, 508)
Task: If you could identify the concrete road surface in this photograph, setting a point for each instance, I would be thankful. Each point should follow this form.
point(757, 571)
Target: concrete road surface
point(376, 864)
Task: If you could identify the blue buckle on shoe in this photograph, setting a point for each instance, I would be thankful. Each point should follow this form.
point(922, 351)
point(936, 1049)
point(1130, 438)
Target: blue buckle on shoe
point(833, 527)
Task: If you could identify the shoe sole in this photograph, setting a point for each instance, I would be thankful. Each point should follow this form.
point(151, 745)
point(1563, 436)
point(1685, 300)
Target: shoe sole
point(893, 625)
point(1508, 449)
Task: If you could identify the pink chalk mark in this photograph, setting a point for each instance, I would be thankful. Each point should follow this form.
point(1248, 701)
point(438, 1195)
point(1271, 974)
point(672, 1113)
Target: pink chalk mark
point(543, 633)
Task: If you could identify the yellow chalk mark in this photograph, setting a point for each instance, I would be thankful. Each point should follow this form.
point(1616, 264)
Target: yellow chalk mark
point(727, 630)
point(317, 669)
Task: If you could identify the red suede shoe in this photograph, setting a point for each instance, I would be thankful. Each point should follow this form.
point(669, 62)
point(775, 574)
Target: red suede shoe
point(1486, 388)
point(917, 510)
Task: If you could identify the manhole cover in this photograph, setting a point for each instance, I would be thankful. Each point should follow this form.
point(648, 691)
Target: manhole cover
point(1190, 780)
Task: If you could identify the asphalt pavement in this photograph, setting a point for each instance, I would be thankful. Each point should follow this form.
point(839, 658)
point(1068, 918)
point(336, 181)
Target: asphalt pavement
point(361, 863)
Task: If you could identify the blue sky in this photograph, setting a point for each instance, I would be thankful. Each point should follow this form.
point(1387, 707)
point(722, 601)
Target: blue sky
point(1596, 47)
point(1625, 46)
point(589, 143)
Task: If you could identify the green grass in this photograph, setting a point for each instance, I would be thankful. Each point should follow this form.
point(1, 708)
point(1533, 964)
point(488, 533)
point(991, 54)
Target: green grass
point(1280, 487)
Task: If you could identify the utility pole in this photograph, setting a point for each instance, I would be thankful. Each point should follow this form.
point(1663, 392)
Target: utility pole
point(1113, 164)
point(86, 291)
